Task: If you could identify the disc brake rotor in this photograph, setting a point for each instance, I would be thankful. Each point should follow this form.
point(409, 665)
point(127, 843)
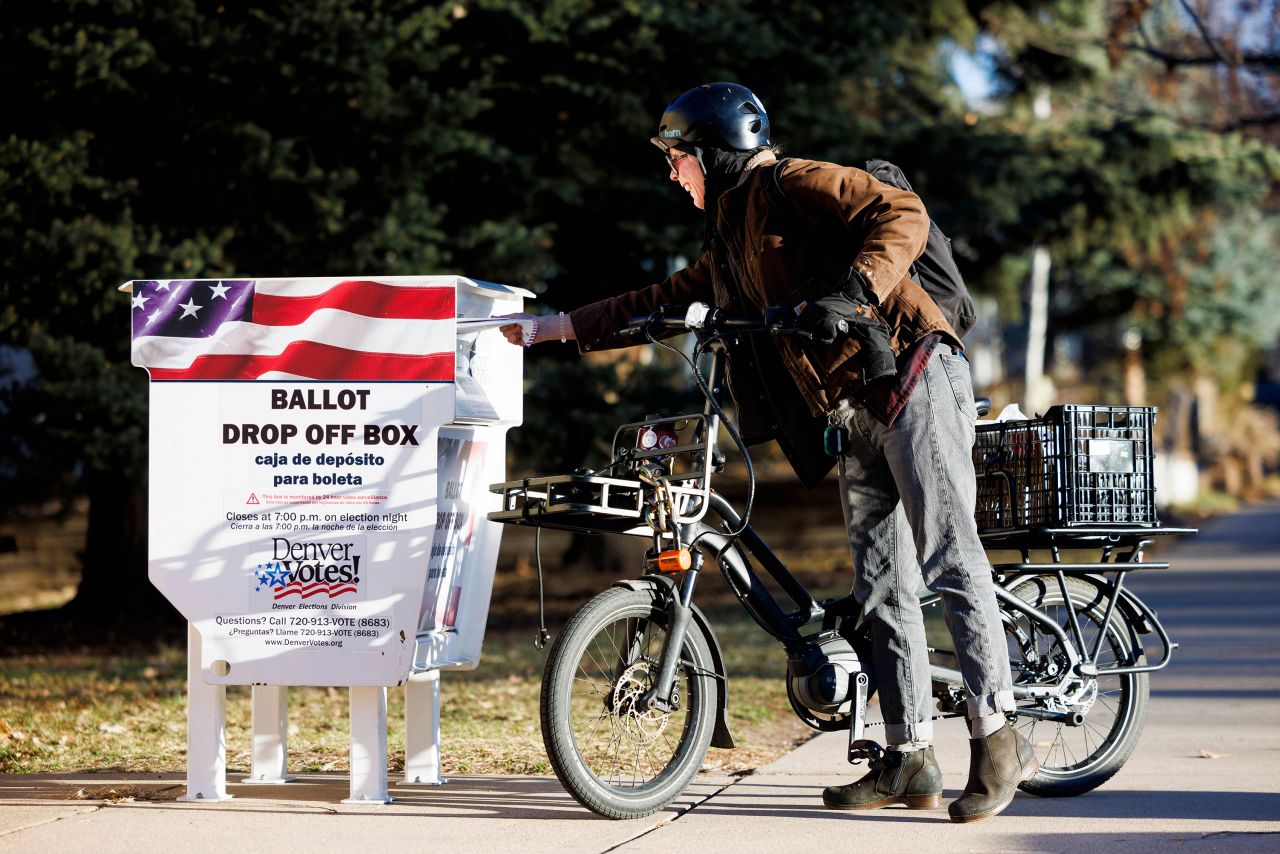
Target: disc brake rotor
point(637, 726)
point(1082, 700)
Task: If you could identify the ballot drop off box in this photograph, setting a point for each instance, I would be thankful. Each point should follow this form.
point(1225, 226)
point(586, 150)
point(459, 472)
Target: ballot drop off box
point(320, 455)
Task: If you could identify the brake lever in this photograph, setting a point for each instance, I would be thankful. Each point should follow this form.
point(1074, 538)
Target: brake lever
point(782, 321)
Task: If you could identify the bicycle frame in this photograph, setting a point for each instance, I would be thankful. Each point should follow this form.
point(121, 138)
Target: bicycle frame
point(645, 490)
point(723, 536)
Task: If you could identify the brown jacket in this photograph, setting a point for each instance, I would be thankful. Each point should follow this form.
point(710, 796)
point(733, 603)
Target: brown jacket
point(859, 221)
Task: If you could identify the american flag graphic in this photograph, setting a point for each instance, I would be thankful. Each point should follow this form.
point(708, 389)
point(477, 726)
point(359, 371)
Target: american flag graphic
point(276, 579)
point(306, 591)
point(397, 328)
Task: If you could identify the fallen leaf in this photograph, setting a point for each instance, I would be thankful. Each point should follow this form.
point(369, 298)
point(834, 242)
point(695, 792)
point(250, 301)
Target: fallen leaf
point(1205, 753)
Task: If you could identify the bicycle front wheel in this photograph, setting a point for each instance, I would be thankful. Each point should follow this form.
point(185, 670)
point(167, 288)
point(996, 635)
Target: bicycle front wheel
point(1076, 759)
point(615, 759)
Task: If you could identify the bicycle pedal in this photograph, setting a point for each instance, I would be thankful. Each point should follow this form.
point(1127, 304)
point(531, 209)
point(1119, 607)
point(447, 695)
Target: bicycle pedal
point(864, 748)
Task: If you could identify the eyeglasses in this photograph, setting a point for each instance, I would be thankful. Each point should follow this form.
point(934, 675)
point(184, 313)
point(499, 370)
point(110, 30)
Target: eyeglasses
point(673, 155)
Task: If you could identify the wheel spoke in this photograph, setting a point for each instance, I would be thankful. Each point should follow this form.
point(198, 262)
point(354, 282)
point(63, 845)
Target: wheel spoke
point(615, 754)
point(1071, 754)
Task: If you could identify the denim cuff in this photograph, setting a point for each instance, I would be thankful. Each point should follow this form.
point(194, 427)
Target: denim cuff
point(905, 733)
point(990, 704)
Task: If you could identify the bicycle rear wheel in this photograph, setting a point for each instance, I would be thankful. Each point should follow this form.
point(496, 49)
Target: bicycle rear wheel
point(616, 760)
point(1076, 759)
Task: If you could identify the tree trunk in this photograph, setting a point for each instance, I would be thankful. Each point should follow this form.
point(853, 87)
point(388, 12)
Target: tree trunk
point(608, 554)
point(114, 587)
point(1135, 378)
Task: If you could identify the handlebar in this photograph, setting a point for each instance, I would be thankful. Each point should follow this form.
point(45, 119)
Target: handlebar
point(712, 322)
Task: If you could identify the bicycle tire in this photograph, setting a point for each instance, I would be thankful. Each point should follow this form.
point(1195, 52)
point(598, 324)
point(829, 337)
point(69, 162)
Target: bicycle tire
point(580, 694)
point(1115, 707)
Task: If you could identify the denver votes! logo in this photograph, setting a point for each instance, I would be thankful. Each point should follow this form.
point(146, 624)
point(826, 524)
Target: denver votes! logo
point(309, 569)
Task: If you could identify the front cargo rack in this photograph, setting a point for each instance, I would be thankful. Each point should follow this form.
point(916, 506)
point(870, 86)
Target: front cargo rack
point(660, 475)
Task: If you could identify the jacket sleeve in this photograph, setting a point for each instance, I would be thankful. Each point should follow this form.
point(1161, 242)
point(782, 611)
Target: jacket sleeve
point(887, 227)
point(597, 325)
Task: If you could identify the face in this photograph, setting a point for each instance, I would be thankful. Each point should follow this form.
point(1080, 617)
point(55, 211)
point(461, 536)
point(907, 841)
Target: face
point(686, 171)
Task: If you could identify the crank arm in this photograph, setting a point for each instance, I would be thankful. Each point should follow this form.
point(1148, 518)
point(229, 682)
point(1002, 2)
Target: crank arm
point(859, 747)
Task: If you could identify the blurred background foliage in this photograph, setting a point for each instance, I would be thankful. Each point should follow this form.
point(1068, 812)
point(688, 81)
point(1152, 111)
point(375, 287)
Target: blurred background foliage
point(508, 140)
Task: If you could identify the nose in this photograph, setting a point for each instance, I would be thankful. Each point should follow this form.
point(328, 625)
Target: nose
point(673, 176)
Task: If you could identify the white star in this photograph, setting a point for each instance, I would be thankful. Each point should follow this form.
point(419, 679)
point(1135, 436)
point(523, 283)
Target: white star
point(140, 302)
point(162, 285)
point(189, 308)
point(219, 290)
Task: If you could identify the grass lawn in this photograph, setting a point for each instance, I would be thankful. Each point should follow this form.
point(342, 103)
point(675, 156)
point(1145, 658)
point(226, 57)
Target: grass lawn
point(82, 712)
point(100, 711)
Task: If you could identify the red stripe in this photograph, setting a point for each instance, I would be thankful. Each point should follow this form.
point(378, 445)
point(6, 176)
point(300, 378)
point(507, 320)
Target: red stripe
point(370, 299)
point(295, 587)
point(315, 588)
point(315, 361)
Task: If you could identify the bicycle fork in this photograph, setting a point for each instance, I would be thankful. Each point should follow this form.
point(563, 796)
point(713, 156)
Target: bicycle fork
point(663, 696)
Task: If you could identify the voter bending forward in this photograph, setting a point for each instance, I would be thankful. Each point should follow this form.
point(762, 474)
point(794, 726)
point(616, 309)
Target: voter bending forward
point(906, 476)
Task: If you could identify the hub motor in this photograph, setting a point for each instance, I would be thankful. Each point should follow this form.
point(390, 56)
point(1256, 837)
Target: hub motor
point(822, 681)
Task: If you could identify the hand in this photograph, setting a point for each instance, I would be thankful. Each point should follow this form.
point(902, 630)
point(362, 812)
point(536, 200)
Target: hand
point(528, 329)
point(828, 318)
point(838, 315)
point(514, 331)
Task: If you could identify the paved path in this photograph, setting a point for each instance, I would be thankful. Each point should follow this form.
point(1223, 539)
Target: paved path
point(1221, 601)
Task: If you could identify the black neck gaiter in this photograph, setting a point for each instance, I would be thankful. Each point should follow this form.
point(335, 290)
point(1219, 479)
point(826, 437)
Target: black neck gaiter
point(724, 168)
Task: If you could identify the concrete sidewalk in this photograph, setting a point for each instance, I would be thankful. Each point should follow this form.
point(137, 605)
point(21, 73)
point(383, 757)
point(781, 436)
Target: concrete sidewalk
point(1205, 777)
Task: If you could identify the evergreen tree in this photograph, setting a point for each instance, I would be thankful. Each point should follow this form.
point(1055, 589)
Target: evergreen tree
point(508, 139)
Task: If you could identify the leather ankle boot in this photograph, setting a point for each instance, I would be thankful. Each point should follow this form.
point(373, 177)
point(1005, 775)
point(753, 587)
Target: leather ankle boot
point(997, 764)
point(895, 778)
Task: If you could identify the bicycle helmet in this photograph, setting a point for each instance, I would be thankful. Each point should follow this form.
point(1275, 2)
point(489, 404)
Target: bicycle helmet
point(714, 115)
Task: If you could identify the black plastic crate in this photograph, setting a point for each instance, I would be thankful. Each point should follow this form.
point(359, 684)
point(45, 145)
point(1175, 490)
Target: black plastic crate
point(1074, 466)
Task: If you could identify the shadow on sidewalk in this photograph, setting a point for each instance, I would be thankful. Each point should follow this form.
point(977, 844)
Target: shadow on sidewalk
point(539, 798)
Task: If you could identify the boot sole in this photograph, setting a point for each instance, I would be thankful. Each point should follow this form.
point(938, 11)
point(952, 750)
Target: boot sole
point(999, 808)
point(915, 802)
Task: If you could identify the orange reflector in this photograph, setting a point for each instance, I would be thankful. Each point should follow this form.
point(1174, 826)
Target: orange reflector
point(676, 560)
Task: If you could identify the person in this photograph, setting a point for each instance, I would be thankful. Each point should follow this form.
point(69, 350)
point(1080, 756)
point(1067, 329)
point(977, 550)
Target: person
point(906, 475)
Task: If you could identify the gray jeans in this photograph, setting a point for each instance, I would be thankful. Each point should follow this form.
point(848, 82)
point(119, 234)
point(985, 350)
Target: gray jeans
point(908, 494)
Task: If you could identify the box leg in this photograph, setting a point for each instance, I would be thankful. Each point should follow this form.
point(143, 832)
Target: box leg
point(368, 746)
point(206, 731)
point(422, 730)
point(270, 735)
